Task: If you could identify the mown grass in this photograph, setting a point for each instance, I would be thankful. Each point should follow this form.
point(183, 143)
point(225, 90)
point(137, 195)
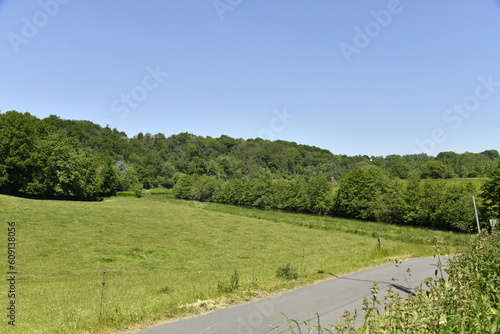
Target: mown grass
point(410, 234)
point(477, 182)
point(166, 258)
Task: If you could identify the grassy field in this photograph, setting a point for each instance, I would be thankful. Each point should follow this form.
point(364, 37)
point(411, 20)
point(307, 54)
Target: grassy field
point(161, 256)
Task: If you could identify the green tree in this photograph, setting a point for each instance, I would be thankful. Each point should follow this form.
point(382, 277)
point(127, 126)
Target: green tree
point(491, 194)
point(427, 203)
point(358, 191)
point(183, 187)
point(457, 211)
point(231, 192)
point(316, 195)
point(433, 169)
point(284, 194)
point(389, 205)
point(204, 187)
point(19, 143)
point(491, 154)
point(400, 170)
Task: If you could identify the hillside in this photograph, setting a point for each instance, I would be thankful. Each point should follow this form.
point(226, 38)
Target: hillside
point(53, 158)
point(150, 161)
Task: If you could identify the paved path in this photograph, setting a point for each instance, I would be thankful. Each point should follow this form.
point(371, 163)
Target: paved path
point(329, 299)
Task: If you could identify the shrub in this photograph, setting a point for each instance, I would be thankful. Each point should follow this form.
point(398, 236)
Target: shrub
point(287, 272)
point(465, 303)
point(231, 285)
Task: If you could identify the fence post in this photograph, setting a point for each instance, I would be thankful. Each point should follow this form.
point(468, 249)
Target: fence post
point(477, 216)
point(103, 283)
point(303, 256)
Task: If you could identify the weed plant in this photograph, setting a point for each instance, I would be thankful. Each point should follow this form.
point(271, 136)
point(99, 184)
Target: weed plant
point(467, 302)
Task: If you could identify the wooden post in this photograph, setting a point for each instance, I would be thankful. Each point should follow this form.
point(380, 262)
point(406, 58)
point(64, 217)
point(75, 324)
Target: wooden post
point(477, 216)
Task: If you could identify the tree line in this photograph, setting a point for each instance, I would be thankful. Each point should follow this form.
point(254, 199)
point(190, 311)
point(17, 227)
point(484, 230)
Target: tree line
point(70, 159)
point(366, 192)
point(38, 160)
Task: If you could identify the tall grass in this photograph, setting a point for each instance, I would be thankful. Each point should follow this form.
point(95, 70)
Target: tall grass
point(161, 258)
point(467, 302)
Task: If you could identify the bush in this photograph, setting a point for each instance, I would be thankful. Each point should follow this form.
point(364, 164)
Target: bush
point(231, 285)
point(287, 272)
point(465, 303)
point(136, 189)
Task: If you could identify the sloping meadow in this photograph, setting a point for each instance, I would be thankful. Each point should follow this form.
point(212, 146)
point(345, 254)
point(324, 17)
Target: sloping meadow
point(104, 266)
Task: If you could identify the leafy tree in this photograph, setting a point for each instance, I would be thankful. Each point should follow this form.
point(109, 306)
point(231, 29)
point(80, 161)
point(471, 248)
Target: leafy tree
point(316, 195)
point(433, 169)
point(491, 154)
point(400, 170)
point(231, 192)
point(491, 194)
point(358, 191)
point(204, 187)
point(428, 202)
point(257, 192)
point(19, 139)
point(389, 205)
point(183, 187)
point(284, 194)
point(457, 211)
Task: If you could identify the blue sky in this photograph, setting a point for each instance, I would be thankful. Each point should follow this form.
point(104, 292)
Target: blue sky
point(355, 77)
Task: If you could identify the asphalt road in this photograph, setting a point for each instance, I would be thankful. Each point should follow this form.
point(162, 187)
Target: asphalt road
point(329, 299)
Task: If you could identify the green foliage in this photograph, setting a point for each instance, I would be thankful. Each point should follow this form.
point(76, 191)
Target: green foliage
point(137, 189)
point(491, 195)
point(367, 193)
point(182, 188)
point(315, 195)
point(390, 205)
point(38, 161)
point(400, 170)
point(456, 209)
point(466, 302)
point(287, 272)
point(55, 158)
point(358, 190)
point(155, 158)
point(433, 169)
point(231, 285)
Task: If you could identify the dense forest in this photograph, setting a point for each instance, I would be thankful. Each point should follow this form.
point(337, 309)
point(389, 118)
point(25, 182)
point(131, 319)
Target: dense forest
point(69, 159)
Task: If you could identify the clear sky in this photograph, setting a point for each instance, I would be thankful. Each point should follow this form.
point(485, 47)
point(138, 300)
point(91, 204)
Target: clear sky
point(355, 77)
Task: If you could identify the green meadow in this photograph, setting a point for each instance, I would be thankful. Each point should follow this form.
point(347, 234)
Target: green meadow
point(161, 258)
